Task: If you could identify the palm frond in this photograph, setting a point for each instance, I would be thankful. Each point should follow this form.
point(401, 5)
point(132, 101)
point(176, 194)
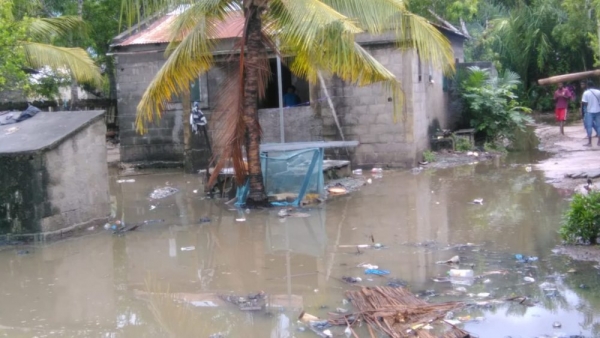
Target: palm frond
point(509, 78)
point(75, 60)
point(335, 52)
point(186, 62)
point(206, 13)
point(301, 22)
point(379, 16)
point(44, 29)
point(135, 11)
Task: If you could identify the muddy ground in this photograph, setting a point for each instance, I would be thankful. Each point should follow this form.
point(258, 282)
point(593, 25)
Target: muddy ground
point(569, 155)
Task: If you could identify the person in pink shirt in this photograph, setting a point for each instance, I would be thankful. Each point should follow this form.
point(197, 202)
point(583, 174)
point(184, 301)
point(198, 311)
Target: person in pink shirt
point(562, 96)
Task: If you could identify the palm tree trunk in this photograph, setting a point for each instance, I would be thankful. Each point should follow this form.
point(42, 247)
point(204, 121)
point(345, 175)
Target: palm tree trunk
point(254, 46)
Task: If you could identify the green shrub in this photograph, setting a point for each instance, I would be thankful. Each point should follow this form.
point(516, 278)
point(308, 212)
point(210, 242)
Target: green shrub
point(429, 156)
point(582, 220)
point(490, 103)
point(493, 147)
point(462, 144)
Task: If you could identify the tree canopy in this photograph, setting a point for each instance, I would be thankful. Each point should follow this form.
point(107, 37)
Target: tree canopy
point(48, 38)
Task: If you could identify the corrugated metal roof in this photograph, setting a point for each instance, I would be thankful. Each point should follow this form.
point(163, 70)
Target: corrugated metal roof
point(159, 31)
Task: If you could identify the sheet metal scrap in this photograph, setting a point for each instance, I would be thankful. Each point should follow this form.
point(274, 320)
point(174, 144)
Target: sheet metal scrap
point(398, 313)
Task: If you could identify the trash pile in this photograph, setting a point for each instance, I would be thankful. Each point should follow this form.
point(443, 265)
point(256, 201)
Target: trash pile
point(398, 313)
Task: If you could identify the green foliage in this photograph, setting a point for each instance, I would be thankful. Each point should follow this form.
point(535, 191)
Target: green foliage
point(462, 144)
point(582, 219)
point(536, 39)
point(494, 147)
point(47, 84)
point(429, 156)
point(12, 57)
point(449, 9)
point(491, 103)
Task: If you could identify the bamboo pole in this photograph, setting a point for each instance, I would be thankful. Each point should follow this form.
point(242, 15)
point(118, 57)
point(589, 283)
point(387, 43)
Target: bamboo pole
point(568, 77)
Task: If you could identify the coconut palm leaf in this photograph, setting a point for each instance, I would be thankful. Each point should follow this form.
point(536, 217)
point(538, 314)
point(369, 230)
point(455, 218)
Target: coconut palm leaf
point(380, 16)
point(190, 58)
point(197, 12)
point(45, 29)
point(76, 60)
point(333, 48)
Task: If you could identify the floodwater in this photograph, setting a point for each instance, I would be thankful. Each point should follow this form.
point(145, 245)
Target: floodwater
point(104, 285)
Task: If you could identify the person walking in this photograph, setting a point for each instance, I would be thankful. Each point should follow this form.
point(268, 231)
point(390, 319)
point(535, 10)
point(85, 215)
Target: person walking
point(562, 96)
point(590, 108)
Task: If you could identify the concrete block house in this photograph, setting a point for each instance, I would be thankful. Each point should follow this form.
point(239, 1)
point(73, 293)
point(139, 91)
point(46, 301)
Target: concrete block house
point(365, 113)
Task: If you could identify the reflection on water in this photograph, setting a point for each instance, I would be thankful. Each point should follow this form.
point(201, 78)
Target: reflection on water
point(143, 284)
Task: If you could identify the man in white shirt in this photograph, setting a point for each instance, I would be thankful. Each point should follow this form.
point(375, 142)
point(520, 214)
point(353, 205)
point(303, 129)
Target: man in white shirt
point(590, 107)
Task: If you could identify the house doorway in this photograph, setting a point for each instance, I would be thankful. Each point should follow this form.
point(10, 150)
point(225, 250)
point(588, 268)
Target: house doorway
point(287, 79)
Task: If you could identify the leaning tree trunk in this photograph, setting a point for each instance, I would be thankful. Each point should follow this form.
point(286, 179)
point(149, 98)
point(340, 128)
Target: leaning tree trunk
point(254, 46)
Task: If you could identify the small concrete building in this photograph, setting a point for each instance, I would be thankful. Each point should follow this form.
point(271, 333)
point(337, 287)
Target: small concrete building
point(365, 113)
point(53, 173)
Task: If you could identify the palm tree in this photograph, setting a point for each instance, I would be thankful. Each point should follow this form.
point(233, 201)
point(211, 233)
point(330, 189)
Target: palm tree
point(35, 43)
point(319, 34)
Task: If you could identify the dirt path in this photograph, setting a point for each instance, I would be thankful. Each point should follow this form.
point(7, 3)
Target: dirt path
point(569, 156)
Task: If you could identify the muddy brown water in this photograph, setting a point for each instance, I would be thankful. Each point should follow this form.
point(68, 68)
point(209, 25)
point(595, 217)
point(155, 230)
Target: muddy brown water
point(102, 285)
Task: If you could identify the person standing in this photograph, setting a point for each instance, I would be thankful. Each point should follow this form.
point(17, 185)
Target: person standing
point(590, 108)
point(562, 96)
point(291, 99)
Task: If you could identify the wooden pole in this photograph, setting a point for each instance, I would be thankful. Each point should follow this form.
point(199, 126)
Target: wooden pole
point(568, 77)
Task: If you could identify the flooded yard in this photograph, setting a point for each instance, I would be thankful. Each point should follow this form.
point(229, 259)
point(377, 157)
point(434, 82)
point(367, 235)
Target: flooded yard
point(106, 285)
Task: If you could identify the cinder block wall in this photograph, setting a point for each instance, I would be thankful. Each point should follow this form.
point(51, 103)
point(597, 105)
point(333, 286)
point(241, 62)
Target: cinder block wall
point(366, 113)
point(77, 187)
point(58, 188)
point(164, 140)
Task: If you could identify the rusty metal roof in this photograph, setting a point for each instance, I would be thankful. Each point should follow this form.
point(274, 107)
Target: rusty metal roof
point(159, 31)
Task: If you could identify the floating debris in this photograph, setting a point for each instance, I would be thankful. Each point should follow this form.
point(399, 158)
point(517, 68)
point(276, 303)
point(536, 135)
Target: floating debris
point(337, 190)
point(252, 302)
point(377, 272)
point(398, 313)
point(351, 280)
point(453, 260)
point(163, 192)
point(130, 180)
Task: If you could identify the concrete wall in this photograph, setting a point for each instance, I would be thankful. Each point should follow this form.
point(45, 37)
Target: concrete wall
point(77, 179)
point(367, 113)
point(300, 124)
point(164, 140)
point(56, 189)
